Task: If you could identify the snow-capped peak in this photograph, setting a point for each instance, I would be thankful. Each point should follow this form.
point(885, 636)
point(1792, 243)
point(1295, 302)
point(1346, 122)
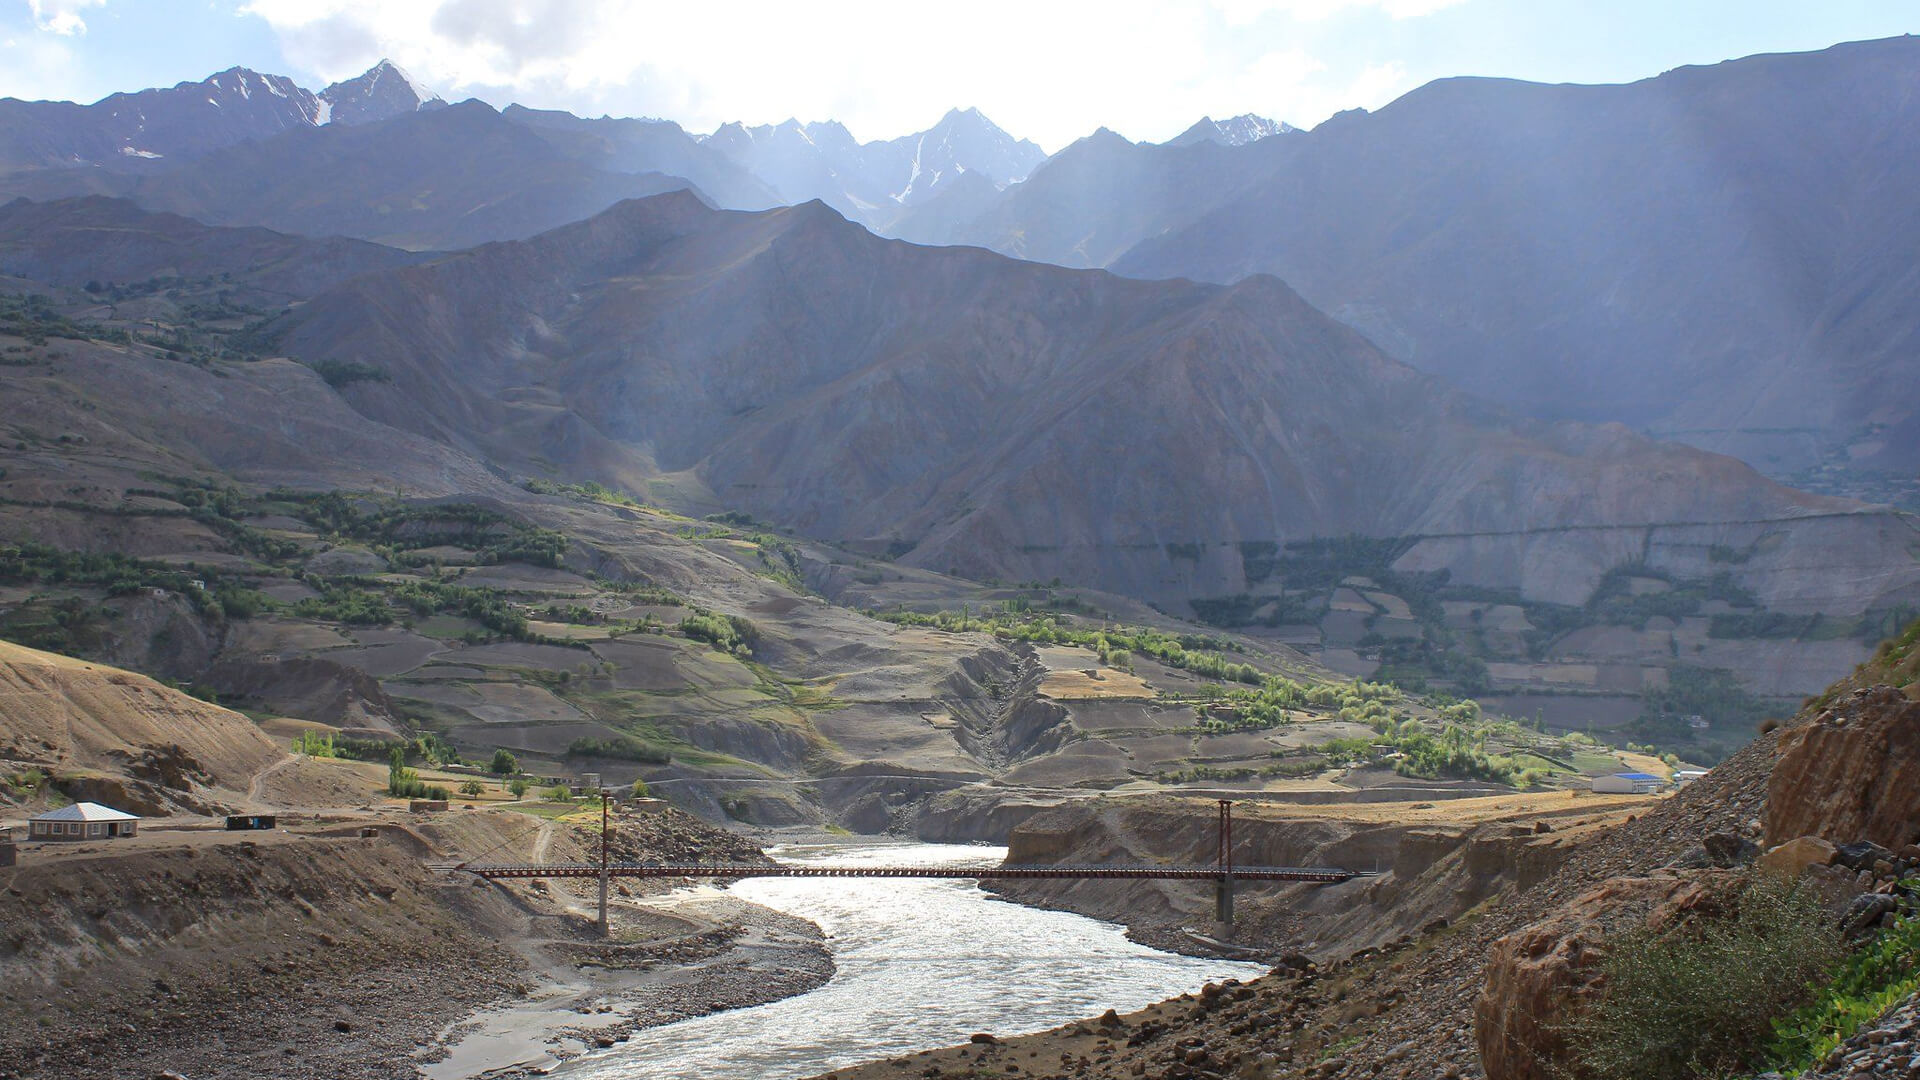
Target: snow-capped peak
point(382, 91)
point(1234, 131)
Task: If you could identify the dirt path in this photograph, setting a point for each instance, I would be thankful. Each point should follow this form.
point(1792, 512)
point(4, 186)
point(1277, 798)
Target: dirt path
point(259, 783)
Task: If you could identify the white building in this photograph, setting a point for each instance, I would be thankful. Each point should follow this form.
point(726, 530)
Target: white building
point(1628, 783)
point(82, 821)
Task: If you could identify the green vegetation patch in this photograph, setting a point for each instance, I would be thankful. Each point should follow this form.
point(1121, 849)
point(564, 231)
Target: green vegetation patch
point(1198, 653)
point(1702, 999)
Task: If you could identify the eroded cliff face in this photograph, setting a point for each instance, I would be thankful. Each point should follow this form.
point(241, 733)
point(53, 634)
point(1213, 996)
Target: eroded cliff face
point(1431, 864)
point(1851, 774)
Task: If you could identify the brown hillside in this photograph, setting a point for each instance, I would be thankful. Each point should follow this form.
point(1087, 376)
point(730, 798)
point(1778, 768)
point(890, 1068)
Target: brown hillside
point(70, 714)
point(1021, 421)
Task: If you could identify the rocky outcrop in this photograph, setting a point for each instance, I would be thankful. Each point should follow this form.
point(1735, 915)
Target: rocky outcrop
point(1540, 976)
point(1851, 774)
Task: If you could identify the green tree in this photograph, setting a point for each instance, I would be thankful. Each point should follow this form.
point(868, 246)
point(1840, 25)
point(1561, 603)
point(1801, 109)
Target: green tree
point(640, 789)
point(504, 763)
point(400, 779)
point(518, 787)
point(472, 787)
point(560, 793)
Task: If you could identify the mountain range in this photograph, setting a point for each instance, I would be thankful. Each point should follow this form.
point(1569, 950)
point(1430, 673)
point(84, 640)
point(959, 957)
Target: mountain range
point(1453, 327)
point(1001, 419)
point(192, 118)
point(1716, 254)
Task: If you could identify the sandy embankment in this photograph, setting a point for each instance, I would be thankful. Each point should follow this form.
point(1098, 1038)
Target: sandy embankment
point(689, 952)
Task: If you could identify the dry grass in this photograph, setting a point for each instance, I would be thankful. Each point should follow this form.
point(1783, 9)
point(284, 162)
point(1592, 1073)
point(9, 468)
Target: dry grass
point(1079, 686)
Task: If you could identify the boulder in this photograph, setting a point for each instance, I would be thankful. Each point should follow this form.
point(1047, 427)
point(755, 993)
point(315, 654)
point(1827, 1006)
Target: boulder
point(1791, 859)
point(1862, 856)
point(1728, 850)
point(1851, 774)
point(1538, 977)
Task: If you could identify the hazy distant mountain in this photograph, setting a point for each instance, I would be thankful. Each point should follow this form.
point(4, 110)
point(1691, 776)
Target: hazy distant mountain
point(1723, 252)
point(1097, 198)
point(105, 241)
point(870, 182)
point(634, 146)
point(1016, 420)
point(381, 92)
point(1235, 131)
point(447, 178)
point(156, 128)
point(125, 130)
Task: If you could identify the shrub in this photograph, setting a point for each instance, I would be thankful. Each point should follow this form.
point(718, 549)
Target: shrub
point(640, 790)
point(504, 763)
point(472, 787)
point(560, 793)
point(623, 747)
point(339, 373)
point(1700, 999)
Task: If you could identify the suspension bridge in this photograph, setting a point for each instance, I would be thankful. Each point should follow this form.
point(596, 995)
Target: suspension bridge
point(1222, 872)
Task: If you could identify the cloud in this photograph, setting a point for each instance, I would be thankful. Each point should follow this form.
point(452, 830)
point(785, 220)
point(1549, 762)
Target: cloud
point(1050, 71)
point(1244, 12)
point(38, 67)
point(62, 16)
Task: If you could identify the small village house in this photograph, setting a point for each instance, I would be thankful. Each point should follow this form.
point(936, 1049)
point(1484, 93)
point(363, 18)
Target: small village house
point(82, 821)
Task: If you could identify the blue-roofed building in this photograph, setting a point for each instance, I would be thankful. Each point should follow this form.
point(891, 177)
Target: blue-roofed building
point(1628, 783)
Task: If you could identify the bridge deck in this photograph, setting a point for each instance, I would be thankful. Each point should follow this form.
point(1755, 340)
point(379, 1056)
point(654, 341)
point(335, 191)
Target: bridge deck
point(1321, 874)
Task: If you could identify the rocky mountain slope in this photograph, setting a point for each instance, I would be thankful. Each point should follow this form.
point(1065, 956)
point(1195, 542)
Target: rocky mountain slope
point(446, 178)
point(1233, 131)
point(154, 746)
point(871, 182)
point(102, 241)
point(381, 91)
point(963, 411)
point(128, 130)
point(1709, 253)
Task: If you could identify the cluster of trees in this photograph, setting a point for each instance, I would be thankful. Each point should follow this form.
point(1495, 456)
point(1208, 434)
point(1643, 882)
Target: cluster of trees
point(404, 782)
point(397, 527)
point(1197, 653)
point(369, 602)
point(620, 747)
point(727, 633)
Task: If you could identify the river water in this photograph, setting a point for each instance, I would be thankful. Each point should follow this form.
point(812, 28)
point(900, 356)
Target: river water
point(921, 964)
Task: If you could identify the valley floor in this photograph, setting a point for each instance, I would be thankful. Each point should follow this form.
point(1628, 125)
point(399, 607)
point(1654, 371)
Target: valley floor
point(315, 952)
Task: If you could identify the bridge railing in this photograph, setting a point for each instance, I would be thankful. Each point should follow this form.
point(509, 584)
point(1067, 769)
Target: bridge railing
point(1317, 874)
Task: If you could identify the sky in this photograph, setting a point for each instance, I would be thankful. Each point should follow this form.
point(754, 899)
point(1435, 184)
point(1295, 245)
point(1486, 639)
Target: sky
point(1049, 70)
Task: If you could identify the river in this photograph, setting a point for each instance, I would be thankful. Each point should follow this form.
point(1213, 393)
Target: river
point(921, 964)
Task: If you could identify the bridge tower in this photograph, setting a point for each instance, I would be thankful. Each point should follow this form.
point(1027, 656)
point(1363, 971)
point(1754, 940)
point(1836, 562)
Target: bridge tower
point(1223, 861)
point(606, 864)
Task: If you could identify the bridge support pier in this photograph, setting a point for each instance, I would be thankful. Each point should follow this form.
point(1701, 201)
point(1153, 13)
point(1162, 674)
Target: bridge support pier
point(1223, 904)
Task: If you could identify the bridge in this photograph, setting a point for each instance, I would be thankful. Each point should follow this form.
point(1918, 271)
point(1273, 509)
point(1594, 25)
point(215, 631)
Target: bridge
point(1223, 873)
point(1318, 874)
